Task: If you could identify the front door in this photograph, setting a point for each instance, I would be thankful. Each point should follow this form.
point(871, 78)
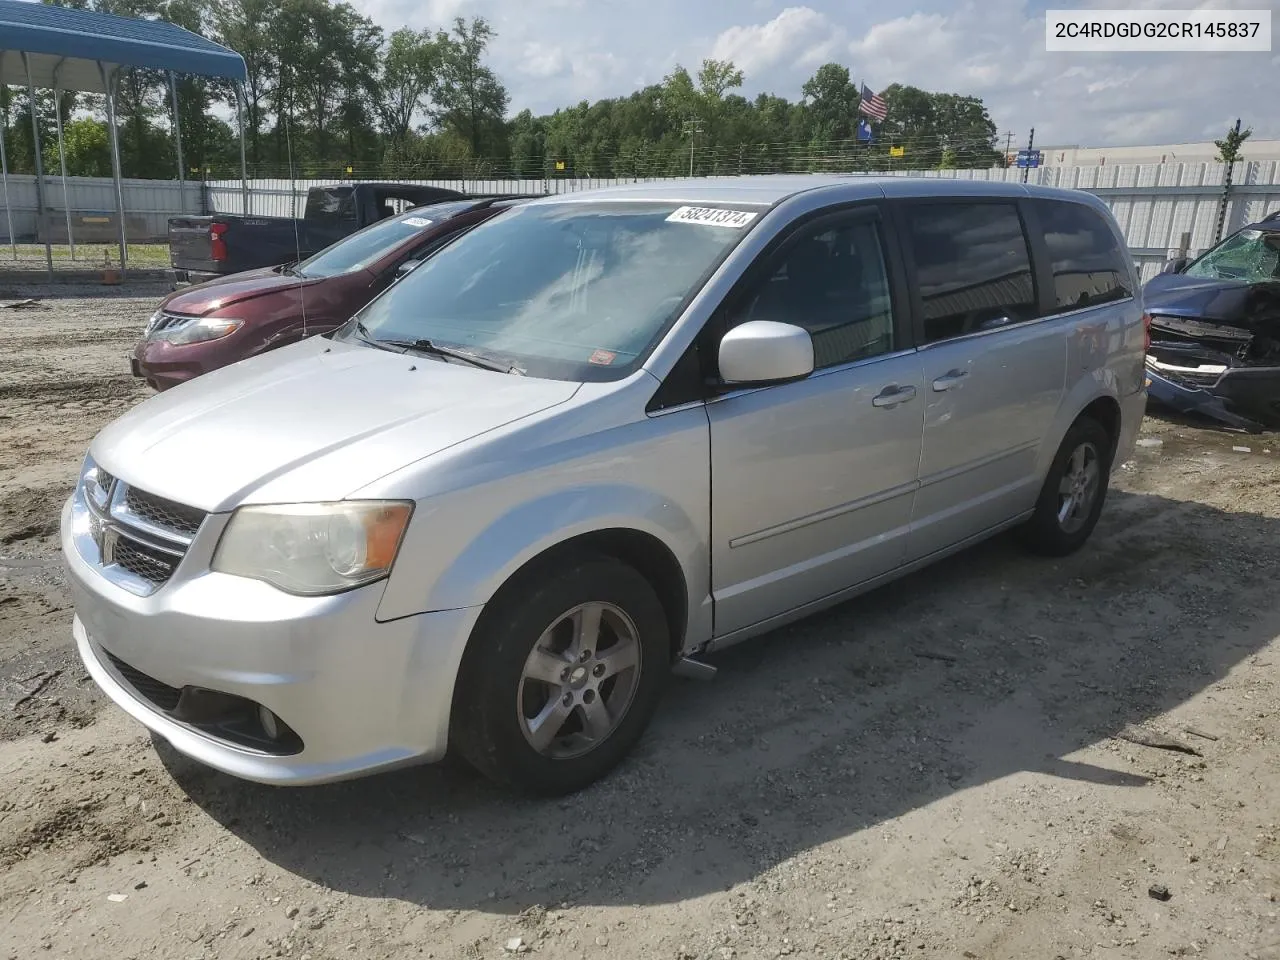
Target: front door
point(812, 482)
point(994, 372)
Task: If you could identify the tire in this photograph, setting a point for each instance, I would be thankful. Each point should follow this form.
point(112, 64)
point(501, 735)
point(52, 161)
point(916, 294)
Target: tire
point(533, 684)
point(1055, 529)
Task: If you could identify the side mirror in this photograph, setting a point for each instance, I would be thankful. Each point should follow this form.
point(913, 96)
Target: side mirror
point(407, 267)
point(763, 352)
point(1176, 265)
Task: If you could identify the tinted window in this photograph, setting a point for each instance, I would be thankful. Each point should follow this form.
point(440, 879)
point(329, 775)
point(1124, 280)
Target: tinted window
point(832, 282)
point(1089, 267)
point(330, 203)
point(972, 267)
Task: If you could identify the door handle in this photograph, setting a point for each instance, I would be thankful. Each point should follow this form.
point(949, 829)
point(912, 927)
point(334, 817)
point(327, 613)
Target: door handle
point(949, 380)
point(893, 395)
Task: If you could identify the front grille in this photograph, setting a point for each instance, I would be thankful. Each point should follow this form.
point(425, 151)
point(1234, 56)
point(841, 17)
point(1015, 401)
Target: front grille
point(158, 693)
point(164, 513)
point(141, 537)
point(144, 561)
point(1198, 378)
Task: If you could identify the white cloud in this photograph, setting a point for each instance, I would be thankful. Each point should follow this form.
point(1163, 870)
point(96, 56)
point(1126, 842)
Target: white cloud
point(542, 61)
point(796, 34)
point(554, 53)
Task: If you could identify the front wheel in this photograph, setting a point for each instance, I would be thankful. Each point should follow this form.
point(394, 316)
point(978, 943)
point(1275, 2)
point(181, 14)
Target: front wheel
point(1073, 493)
point(562, 676)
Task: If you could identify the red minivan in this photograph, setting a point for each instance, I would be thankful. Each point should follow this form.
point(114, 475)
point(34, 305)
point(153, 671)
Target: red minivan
point(210, 325)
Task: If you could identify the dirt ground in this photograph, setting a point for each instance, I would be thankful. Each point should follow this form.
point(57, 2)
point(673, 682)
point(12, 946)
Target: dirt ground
point(934, 770)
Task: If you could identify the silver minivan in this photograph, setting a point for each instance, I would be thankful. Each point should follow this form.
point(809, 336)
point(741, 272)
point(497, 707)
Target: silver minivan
point(588, 442)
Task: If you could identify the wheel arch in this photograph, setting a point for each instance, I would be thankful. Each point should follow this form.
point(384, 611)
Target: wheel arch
point(642, 551)
point(1096, 397)
point(1105, 410)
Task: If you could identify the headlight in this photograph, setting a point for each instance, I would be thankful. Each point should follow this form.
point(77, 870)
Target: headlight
point(314, 549)
point(199, 330)
point(151, 323)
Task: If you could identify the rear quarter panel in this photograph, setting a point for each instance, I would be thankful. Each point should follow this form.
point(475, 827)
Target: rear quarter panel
point(1105, 358)
point(1106, 352)
point(259, 242)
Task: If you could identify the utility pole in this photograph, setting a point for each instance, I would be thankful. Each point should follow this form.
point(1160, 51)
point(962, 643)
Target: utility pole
point(1008, 145)
point(1030, 142)
point(692, 128)
point(1226, 190)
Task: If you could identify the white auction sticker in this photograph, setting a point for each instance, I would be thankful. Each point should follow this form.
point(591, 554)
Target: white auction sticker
point(713, 217)
point(417, 221)
point(1216, 30)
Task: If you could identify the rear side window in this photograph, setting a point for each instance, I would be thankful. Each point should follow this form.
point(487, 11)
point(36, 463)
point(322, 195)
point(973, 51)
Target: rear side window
point(330, 203)
point(973, 269)
point(1089, 267)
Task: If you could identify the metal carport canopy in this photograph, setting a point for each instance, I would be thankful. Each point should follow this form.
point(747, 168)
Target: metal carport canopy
point(65, 47)
point(62, 48)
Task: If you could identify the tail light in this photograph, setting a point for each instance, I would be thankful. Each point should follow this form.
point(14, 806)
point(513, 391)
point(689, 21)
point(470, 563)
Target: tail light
point(1146, 333)
point(217, 245)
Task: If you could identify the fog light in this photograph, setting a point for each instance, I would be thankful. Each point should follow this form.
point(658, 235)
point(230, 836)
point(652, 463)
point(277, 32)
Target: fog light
point(269, 725)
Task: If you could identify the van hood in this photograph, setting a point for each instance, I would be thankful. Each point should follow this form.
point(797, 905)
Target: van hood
point(214, 294)
point(311, 422)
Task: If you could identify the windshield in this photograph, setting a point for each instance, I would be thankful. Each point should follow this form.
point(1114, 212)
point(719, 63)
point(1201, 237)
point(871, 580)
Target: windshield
point(363, 247)
point(1249, 256)
point(569, 291)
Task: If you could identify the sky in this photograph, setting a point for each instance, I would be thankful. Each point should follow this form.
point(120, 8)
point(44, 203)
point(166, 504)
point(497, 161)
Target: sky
point(554, 53)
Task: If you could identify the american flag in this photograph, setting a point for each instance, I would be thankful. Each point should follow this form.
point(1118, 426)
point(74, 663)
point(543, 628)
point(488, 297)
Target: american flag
point(872, 104)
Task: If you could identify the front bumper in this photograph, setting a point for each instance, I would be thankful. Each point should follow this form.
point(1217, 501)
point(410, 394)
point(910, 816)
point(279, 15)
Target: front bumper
point(164, 366)
point(361, 696)
point(1194, 379)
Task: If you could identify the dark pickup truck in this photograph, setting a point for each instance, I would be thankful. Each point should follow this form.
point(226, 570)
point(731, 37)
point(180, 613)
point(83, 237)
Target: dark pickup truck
point(202, 248)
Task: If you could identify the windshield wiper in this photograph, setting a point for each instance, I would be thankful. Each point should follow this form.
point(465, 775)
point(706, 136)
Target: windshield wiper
point(422, 345)
point(363, 333)
point(439, 350)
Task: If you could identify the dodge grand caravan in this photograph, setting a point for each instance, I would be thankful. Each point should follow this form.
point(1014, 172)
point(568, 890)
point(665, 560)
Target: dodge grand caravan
point(586, 443)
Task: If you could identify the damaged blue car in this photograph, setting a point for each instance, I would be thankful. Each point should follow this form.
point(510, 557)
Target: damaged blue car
point(1215, 330)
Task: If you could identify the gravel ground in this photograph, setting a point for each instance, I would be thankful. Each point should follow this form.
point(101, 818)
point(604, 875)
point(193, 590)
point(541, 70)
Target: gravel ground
point(935, 770)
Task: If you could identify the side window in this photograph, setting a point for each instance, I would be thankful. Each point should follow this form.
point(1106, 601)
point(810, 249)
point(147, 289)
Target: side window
point(973, 268)
point(831, 280)
point(1089, 267)
point(390, 204)
point(336, 203)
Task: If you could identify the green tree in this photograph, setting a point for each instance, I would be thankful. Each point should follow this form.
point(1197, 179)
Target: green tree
point(88, 148)
point(471, 101)
point(527, 136)
point(242, 25)
point(411, 75)
point(832, 103)
point(1229, 147)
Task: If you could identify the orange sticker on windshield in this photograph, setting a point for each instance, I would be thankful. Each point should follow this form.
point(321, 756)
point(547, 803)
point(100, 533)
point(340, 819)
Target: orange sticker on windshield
point(603, 357)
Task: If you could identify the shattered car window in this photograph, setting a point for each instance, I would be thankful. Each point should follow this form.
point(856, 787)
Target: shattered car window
point(1249, 256)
